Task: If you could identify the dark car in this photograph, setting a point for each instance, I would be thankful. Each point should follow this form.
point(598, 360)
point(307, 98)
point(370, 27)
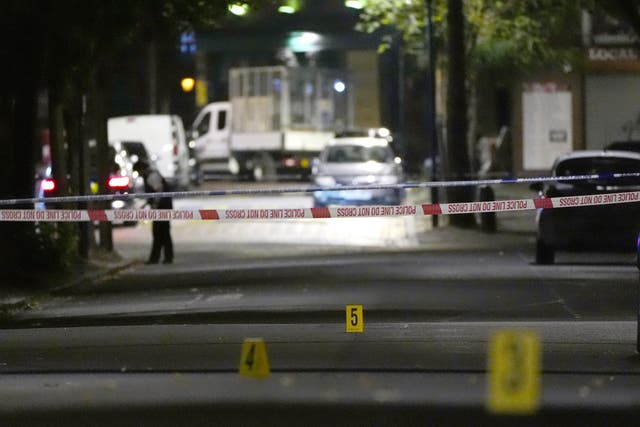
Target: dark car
point(606, 227)
point(630, 145)
point(123, 179)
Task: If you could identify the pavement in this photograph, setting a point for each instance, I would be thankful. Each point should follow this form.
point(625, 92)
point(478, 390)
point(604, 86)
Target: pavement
point(16, 296)
point(512, 228)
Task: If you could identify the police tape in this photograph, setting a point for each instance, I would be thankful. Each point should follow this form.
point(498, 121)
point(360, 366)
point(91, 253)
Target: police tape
point(117, 215)
point(313, 189)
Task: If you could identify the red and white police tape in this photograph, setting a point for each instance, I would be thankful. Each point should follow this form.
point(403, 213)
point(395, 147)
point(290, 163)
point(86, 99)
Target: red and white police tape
point(61, 215)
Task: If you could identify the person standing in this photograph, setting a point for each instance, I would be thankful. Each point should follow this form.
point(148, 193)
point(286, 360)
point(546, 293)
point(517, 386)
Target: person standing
point(161, 230)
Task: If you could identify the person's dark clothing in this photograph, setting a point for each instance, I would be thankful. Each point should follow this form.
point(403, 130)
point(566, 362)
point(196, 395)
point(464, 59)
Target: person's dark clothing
point(161, 239)
point(161, 230)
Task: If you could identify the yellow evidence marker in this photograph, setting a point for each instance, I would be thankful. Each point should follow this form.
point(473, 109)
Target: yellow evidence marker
point(355, 318)
point(514, 365)
point(254, 362)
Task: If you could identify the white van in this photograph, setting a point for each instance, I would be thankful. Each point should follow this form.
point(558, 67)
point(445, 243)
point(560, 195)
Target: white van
point(164, 139)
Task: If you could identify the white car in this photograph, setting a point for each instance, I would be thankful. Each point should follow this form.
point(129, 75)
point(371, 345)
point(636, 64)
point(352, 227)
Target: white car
point(358, 161)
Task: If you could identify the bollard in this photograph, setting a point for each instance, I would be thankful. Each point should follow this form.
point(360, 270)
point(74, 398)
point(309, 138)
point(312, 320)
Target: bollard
point(488, 221)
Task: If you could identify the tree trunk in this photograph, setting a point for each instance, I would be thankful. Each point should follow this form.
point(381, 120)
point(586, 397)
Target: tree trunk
point(78, 171)
point(57, 132)
point(458, 158)
point(18, 107)
point(153, 76)
point(472, 133)
point(102, 149)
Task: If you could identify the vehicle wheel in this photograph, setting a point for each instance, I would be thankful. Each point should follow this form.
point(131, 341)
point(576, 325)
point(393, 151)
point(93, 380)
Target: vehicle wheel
point(544, 253)
point(258, 173)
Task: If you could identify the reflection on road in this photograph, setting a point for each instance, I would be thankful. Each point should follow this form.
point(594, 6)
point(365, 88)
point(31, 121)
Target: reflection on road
point(205, 236)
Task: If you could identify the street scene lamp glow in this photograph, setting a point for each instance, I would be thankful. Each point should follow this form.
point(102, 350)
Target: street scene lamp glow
point(354, 4)
point(304, 41)
point(339, 86)
point(286, 9)
point(289, 7)
point(187, 84)
point(239, 9)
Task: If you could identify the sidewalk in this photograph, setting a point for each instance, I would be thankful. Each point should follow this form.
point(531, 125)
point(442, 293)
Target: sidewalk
point(514, 229)
point(15, 296)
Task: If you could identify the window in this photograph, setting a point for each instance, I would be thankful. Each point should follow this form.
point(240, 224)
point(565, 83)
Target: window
point(203, 126)
point(358, 154)
point(222, 119)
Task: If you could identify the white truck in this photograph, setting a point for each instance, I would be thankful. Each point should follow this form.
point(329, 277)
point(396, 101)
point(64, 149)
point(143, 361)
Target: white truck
point(276, 121)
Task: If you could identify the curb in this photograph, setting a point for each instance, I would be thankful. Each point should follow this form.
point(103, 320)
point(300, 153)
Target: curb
point(23, 302)
point(94, 276)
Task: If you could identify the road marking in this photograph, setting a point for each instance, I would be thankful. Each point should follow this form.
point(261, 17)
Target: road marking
point(514, 372)
point(254, 362)
point(354, 318)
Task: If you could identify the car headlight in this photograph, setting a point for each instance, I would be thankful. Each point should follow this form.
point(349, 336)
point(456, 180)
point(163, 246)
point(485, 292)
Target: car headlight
point(388, 179)
point(325, 181)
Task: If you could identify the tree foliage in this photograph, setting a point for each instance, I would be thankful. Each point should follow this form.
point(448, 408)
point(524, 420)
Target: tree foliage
point(68, 49)
point(500, 35)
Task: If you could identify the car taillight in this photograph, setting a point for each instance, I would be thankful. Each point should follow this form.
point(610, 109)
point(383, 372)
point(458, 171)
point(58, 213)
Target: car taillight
point(289, 162)
point(118, 182)
point(47, 185)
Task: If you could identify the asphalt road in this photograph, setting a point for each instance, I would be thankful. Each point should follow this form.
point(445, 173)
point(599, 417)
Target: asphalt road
point(432, 300)
point(428, 285)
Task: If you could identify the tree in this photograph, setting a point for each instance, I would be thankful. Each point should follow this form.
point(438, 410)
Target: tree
point(67, 49)
point(482, 37)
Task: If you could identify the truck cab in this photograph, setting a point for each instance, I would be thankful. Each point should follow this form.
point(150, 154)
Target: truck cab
point(210, 135)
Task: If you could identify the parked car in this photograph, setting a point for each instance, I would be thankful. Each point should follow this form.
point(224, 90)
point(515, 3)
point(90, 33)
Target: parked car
point(123, 179)
point(630, 145)
point(357, 161)
point(606, 227)
point(44, 186)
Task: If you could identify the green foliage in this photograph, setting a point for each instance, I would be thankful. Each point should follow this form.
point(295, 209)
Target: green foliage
point(33, 249)
point(54, 246)
point(501, 35)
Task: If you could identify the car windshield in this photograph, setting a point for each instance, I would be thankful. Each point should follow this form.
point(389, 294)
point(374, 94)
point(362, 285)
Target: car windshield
point(601, 165)
point(625, 146)
point(319, 212)
point(358, 154)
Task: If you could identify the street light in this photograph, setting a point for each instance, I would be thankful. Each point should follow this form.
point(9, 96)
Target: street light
point(289, 7)
point(339, 86)
point(304, 41)
point(354, 4)
point(187, 84)
point(239, 9)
